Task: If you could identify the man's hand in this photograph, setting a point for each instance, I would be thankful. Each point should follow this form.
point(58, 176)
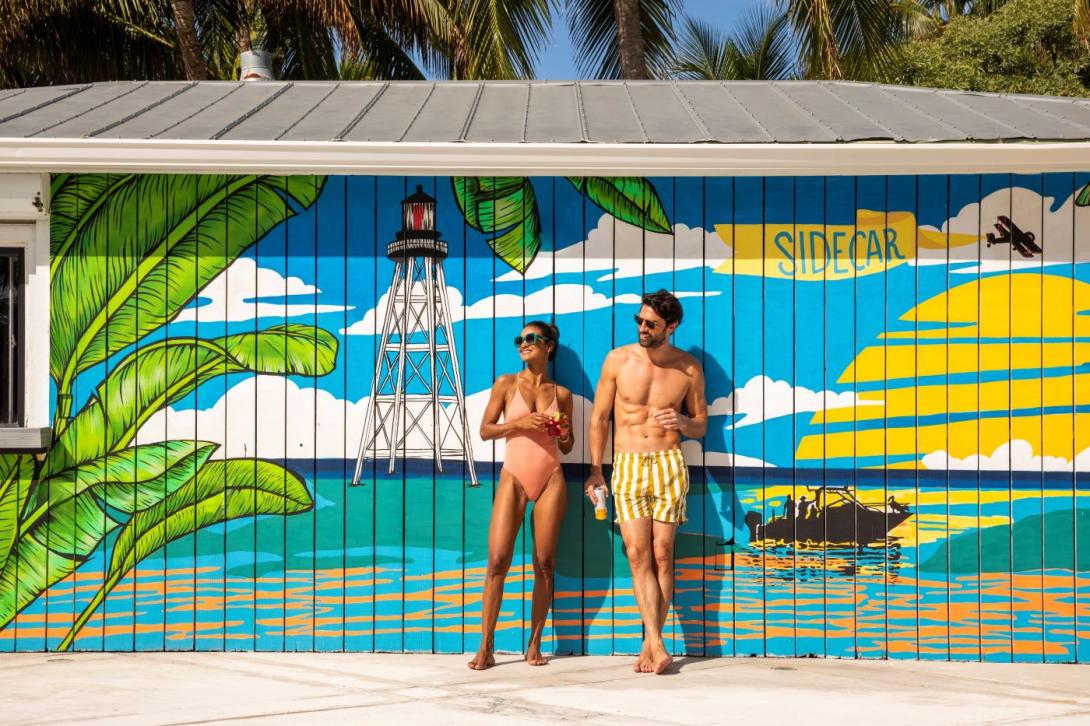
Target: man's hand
point(670, 419)
point(595, 480)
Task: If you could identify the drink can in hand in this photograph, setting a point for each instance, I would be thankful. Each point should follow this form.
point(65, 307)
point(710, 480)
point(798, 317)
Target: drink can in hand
point(600, 503)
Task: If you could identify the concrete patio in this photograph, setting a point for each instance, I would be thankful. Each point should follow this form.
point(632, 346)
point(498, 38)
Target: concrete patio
point(191, 688)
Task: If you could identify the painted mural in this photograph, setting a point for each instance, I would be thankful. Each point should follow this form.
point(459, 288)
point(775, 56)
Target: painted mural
point(267, 392)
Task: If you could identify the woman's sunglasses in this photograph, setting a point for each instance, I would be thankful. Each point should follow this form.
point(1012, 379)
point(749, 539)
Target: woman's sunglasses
point(531, 338)
point(640, 322)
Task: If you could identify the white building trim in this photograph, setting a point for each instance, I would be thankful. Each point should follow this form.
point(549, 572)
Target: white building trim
point(483, 159)
point(23, 224)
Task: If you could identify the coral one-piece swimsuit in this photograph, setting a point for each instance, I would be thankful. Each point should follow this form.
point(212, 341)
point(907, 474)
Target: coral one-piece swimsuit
point(531, 456)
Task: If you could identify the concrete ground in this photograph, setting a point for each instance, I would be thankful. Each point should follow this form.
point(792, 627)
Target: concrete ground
point(413, 690)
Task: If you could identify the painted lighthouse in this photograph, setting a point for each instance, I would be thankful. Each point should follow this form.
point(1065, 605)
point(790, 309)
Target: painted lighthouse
point(417, 408)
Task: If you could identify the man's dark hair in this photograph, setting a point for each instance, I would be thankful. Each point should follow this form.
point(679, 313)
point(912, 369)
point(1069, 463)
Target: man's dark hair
point(665, 305)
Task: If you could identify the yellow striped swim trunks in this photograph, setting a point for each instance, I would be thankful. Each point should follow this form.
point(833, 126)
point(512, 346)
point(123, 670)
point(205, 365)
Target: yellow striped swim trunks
point(650, 484)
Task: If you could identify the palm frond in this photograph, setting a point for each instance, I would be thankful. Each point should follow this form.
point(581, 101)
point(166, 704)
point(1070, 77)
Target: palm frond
point(593, 28)
point(760, 48)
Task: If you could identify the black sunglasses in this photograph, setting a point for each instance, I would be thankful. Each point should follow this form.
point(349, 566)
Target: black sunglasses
point(531, 338)
point(640, 322)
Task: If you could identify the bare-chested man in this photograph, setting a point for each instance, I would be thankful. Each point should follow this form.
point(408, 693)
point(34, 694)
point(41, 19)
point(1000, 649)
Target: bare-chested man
point(646, 386)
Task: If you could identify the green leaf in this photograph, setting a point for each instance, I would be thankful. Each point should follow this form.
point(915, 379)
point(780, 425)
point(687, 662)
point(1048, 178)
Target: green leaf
point(631, 199)
point(159, 374)
point(130, 253)
point(1083, 199)
point(128, 480)
point(221, 491)
point(78, 507)
point(506, 208)
point(16, 479)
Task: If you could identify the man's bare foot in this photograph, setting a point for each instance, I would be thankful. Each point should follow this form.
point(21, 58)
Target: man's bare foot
point(643, 660)
point(482, 661)
point(660, 660)
point(534, 656)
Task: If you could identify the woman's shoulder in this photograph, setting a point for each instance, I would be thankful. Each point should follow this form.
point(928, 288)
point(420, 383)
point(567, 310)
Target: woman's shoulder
point(505, 381)
point(561, 391)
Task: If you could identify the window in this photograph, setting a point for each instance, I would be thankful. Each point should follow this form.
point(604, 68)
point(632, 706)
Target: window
point(11, 336)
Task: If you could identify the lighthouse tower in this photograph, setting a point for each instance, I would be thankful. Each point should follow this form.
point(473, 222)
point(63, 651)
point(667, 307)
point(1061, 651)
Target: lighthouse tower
point(417, 409)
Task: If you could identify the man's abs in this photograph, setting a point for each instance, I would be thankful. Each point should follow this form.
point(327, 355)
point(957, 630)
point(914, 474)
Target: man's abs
point(642, 389)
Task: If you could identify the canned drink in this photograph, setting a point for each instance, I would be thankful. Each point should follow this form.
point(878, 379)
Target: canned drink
point(600, 503)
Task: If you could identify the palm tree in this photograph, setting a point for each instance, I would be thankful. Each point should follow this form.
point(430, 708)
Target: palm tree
point(606, 42)
point(630, 40)
point(760, 48)
point(68, 41)
point(850, 38)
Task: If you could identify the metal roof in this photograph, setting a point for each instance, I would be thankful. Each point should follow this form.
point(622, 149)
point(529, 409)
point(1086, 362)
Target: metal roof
point(533, 112)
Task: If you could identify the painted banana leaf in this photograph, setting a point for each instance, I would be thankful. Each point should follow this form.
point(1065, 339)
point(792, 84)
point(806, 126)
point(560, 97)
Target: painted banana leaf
point(16, 477)
point(222, 490)
point(156, 375)
point(1083, 197)
point(506, 208)
point(76, 508)
point(631, 199)
point(130, 251)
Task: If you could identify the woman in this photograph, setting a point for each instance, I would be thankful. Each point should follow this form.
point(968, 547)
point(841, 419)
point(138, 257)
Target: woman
point(529, 401)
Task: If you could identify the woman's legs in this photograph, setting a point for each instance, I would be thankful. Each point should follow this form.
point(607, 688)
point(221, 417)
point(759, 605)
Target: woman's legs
point(508, 509)
point(547, 518)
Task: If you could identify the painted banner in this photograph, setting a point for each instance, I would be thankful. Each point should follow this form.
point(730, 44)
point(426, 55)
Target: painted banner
point(267, 393)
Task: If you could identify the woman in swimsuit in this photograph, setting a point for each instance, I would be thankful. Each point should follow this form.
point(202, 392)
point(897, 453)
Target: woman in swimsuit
point(528, 401)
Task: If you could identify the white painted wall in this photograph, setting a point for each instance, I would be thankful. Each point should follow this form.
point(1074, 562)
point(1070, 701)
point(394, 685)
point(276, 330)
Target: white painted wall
point(22, 224)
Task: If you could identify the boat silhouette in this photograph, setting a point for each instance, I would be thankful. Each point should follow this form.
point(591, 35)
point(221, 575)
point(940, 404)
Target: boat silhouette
point(832, 515)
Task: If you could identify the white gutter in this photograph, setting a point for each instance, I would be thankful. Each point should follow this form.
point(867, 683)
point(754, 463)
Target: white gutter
point(483, 159)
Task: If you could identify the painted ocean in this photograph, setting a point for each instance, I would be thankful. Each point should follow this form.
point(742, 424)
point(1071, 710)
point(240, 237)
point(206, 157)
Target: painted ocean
point(943, 584)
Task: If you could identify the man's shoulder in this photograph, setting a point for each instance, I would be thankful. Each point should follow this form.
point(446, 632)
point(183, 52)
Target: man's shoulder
point(620, 354)
point(687, 361)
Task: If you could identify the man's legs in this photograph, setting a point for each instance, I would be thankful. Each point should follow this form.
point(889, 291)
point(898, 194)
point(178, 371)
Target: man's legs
point(638, 542)
point(662, 547)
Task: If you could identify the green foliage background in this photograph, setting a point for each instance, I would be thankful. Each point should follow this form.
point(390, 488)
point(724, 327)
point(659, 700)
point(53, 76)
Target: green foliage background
point(1025, 46)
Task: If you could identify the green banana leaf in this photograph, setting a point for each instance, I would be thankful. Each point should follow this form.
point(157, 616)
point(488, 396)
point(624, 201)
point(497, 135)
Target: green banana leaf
point(131, 252)
point(129, 480)
point(16, 473)
point(505, 207)
point(222, 490)
point(156, 375)
point(1083, 198)
point(77, 508)
point(631, 199)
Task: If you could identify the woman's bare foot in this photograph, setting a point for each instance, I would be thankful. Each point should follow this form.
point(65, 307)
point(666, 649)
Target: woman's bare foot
point(643, 660)
point(534, 656)
point(660, 660)
point(482, 661)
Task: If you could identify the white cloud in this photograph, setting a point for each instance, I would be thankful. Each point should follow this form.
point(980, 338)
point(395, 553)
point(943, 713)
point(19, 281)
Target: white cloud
point(270, 417)
point(1029, 210)
point(1014, 455)
point(762, 398)
point(553, 300)
point(234, 295)
point(619, 250)
point(273, 417)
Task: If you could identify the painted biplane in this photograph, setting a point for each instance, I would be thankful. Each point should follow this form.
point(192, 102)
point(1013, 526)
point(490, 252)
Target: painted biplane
point(1009, 233)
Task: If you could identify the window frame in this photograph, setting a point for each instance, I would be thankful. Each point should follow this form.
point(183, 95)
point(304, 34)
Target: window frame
point(18, 397)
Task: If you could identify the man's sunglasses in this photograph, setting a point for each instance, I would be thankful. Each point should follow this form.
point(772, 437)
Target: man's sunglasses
point(640, 322)
point(531, 338)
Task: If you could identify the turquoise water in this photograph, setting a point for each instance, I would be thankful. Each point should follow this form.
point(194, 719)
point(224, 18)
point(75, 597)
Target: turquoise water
point(398, 564)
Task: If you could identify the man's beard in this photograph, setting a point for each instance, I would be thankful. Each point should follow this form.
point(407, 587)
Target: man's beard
point(652, 341)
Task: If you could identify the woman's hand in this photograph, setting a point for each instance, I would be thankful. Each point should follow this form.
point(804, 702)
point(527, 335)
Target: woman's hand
point(533, 422)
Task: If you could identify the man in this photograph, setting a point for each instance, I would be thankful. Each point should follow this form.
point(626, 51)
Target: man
point(646, 386)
